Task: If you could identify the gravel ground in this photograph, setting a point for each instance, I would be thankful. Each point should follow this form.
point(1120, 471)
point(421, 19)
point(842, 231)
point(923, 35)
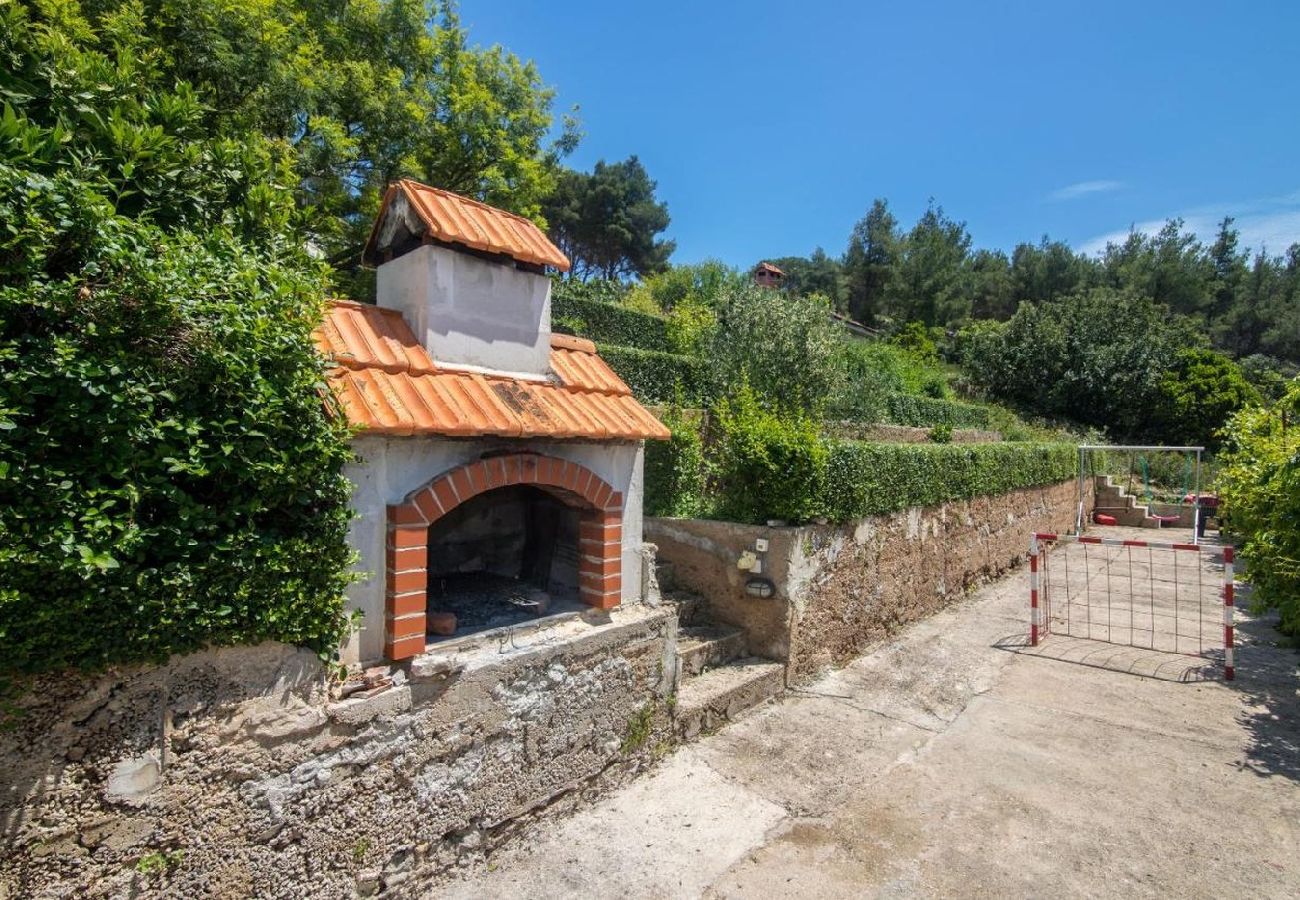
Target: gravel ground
point(955, 761)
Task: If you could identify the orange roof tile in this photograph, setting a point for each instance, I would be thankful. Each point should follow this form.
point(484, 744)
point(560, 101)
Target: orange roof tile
point(388, 384)
point(454, 219)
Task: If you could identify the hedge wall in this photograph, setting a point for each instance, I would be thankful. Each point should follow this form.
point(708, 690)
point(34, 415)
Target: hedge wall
point(868, 479)
point(856, 479)
point(654, 377)
point(606, 323)
point(924, 412)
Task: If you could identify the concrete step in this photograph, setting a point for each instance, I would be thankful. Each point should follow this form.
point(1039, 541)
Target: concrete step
point(703, 647)
point(707, 701)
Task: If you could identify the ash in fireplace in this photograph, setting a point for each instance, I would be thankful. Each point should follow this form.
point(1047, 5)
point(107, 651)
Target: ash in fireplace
point(483, 600)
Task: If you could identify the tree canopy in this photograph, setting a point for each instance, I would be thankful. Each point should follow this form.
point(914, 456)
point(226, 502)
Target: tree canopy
point(608, 221)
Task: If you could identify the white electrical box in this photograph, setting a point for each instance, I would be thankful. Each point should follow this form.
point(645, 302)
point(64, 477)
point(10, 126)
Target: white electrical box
point(761, 545)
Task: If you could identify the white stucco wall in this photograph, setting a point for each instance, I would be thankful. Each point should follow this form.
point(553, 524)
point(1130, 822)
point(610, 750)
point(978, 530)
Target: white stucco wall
point(469, 311)
point(388, 469)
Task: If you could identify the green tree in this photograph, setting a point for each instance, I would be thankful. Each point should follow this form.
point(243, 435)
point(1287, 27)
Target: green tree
point(356, 94)
point(1049, 270)
point(783, 346)
point(608, 221)
point(870, 263)
point(932, 283)
point(993, 285)
point(1095, 358)
point(1198, 394)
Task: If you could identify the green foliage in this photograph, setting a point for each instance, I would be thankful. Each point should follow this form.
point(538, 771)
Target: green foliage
point(1096, 358)
point(607, 222)
point(675, 470)
point(658, 377)
point(931, 281)
point(768, 464)
point(605, 322)
point(923, 412)
point(814, 274)
point(159, 862)
point(1198, 395)
point(703, 284)
point(1259, 490)
point(169, 476)
point(870, 264)
point(869, 479)
point(784, 347)
point(339, 98)
point(1267, 375)
point(941, 434)
point(691, 327)
point(915, 338)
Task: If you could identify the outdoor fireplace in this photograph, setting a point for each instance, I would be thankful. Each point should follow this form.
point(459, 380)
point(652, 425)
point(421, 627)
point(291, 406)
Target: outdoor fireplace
point(499, 465)
point(503, 557)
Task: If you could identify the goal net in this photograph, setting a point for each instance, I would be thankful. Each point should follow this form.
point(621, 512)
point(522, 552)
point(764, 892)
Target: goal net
point(1170, 597)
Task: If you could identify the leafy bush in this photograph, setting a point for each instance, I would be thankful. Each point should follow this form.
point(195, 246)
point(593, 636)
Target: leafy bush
point(703, 283)
point(941, 434)
point(1096, 358)
point(1197, 397)
point(607, 323)
point(1259, 487)
point(769, 464)
point(784, 347)
point(658, 377)
point(169, 476)
point(869, 479)
point(675, 469)
point(691, 326)
point(915, 338)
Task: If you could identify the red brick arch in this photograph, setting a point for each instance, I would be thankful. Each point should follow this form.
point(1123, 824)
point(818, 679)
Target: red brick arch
point(600, 535)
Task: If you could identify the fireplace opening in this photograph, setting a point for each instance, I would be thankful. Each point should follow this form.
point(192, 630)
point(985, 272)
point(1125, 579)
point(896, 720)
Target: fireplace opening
point(503, 557)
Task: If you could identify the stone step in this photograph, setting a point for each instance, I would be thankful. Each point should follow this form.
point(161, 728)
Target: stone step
point(692, 609)
point(703, 647)
point(707, 701)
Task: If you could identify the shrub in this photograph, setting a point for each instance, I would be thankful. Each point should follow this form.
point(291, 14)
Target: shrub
point(169, 476)
point(915, 338)
point(784, 347)
point(675, 469)
point(1096, 358)
point(607, 323)
point(869, 479)
point(941, 434)
point(1198, 395)
point(691, 326)
point(658, 377)
point(769, 464)
point(1259, 487)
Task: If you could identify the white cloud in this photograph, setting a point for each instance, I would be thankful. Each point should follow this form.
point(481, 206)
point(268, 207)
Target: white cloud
point(1084, 188)
point(1272, 224)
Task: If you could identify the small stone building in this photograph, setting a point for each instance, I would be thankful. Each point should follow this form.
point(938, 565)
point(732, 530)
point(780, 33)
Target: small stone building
point(499, 471)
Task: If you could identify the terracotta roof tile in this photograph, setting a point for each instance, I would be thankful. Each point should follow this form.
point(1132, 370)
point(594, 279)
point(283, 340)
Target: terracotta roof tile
point(454, 219)
point(388, 385)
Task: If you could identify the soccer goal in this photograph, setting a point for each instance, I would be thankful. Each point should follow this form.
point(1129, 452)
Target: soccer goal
point(1143, 486)
point(1170, 597)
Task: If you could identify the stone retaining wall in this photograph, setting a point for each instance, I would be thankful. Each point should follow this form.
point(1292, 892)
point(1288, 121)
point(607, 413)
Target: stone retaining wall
point(233, 772)
point(840, 588)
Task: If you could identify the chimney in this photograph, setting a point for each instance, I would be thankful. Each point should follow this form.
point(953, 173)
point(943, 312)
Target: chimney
point(470, 279)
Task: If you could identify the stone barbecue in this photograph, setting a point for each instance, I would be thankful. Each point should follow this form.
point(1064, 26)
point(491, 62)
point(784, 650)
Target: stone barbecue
point(499, 465)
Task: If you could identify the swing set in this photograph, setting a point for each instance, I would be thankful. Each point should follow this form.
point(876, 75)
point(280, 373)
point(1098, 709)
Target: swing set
point(1139, 462)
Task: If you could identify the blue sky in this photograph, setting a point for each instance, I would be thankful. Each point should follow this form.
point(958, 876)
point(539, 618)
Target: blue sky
point(771, 126)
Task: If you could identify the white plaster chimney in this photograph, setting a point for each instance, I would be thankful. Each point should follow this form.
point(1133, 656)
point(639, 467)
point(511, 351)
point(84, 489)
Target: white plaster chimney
point(469, 311)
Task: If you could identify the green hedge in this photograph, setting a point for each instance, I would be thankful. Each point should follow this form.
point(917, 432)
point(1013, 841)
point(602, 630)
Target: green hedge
point(675, 470)
point(868, 479)
point(606, 323)
point(655, 377)
point(925, 412)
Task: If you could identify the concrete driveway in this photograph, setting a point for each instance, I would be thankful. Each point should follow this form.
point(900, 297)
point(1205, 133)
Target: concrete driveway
point(953, 761)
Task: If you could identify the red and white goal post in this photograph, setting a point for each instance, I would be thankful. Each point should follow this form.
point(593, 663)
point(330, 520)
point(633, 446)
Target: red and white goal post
point(1149, 594)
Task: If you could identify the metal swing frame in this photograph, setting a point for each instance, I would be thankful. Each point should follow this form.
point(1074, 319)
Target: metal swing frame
point(1082, 483)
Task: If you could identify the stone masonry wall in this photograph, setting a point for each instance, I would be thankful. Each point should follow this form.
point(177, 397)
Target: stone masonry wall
point(840, 588)
point(232, 772)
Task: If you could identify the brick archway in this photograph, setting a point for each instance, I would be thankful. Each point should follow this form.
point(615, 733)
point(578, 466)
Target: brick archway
point(600, 535)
